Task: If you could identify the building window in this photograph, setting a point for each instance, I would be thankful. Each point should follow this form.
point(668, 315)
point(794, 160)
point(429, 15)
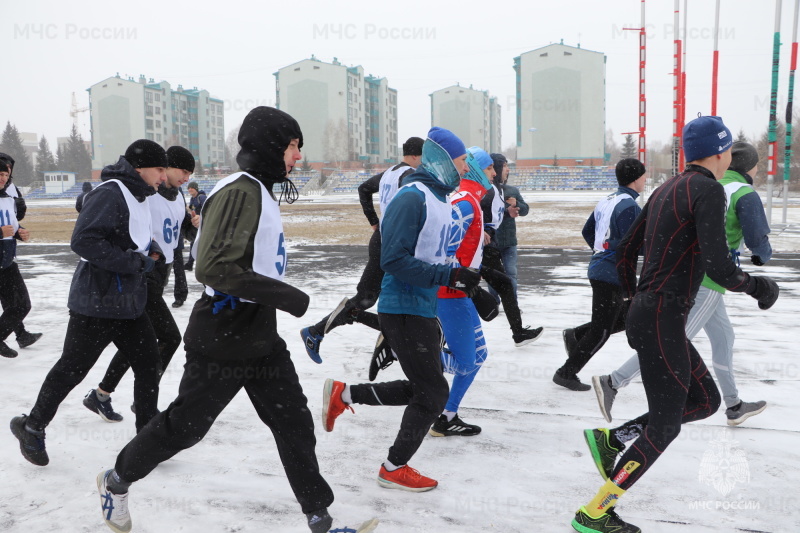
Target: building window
point(149, 111)
point(158, 97)
point(158, 137)
point(149, 136)
point(148, 123)
point(158, 123)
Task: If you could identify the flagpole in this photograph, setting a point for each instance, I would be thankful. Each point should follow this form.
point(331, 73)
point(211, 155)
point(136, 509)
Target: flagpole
point(772, 155)
point(715, 67)
point(787, 162)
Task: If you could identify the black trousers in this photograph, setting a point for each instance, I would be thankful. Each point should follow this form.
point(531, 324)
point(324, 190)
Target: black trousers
point(678, 385)
point(609, 312)
point(367, 290)
point(168, 337)
point(417, 341)
point(493, 260)
point(181, 290)
point(86, 339)
point(14, 299)
point(207, 387)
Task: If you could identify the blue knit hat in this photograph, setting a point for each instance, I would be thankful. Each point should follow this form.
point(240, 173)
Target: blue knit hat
point(447, 140)
point(704, 137)
point(481, 157)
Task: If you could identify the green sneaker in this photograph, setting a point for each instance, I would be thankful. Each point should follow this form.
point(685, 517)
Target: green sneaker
point(603, 453)
point(608, 522)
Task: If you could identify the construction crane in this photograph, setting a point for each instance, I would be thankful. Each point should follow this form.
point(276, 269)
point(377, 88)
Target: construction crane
point(75, 110)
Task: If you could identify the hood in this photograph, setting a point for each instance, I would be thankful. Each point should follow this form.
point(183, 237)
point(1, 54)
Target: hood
point(476, 173)
point(438, 163)
point(432, 182)
point(264, 136)
point(124, 172)
point(86, 187)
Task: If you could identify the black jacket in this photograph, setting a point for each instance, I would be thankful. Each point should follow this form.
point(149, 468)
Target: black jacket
point(110, 283)
point(682, 233)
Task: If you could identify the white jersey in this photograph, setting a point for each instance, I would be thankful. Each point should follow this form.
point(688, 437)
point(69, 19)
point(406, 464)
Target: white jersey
point(498, 208)
point(8, 215)
point(167, 216)
point(12, 191)
point(269, 258)
point(435, 233)
point(602, 218)
point(139, 221)
point(389, 184)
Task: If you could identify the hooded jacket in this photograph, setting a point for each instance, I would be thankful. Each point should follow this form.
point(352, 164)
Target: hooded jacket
point(409, 284)
point(110, 281)
point(11, 190)
point(224, 326)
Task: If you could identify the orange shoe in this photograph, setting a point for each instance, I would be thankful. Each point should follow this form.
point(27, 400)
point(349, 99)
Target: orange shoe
point(405, 478)
point(332, 404)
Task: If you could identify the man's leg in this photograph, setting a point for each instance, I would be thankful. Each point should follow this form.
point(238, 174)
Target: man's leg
point(607, 306)
point(206, 388)
point(464, 334)
point(181, 289)
point(509, 258)
point(15, 300)
point(275, 391)
point(136, 339)
point(85, 340)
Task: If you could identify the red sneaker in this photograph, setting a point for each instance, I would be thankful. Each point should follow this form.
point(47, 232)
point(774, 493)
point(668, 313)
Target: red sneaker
point(332, 404)
point(405, 478)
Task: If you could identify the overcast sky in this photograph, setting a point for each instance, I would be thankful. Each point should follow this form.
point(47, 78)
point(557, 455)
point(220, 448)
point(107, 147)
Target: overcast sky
point(54, 48)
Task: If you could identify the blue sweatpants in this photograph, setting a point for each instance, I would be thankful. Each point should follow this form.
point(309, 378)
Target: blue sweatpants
point(464, 336)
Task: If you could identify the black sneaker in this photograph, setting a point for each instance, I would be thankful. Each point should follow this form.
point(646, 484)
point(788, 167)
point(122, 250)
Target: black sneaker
point(177, 303)
point(570, 382)
point(603, 452)
point(103, 409)
point(382, 357)
point(7, 351)
point(340, 316)
point(455, 427)
point(608, 522)
point(27, 338)
point(570, 341)
point(527, 335)
point(31, 443)
point(321, 522)
point(605, 394)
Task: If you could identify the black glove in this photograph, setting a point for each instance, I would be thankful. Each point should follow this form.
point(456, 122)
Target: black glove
point(464, 279)
point(764, 290)
point(757, 261)
point(485, 304)
point(19, 203)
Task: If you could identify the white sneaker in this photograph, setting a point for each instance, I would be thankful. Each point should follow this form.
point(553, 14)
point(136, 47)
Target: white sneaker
point(113, 506)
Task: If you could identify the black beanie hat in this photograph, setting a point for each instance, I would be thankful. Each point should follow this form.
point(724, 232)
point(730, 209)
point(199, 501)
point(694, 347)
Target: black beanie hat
point(499, 160)
point(744, 157)
point(413, 146)
point(264, 136)
point(180, 157)
point(628, 171)
point(8, 160)
point(3, 166)
point(145, 154)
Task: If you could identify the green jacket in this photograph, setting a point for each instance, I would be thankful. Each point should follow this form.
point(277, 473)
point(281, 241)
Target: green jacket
point(733, 226)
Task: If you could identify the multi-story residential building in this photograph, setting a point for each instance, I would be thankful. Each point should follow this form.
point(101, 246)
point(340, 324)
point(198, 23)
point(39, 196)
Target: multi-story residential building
point(561, 106)
point(123, 110)
point(344, 115)
point(472, 115)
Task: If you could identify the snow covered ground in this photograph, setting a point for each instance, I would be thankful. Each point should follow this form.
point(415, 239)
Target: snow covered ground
point(527, 472)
